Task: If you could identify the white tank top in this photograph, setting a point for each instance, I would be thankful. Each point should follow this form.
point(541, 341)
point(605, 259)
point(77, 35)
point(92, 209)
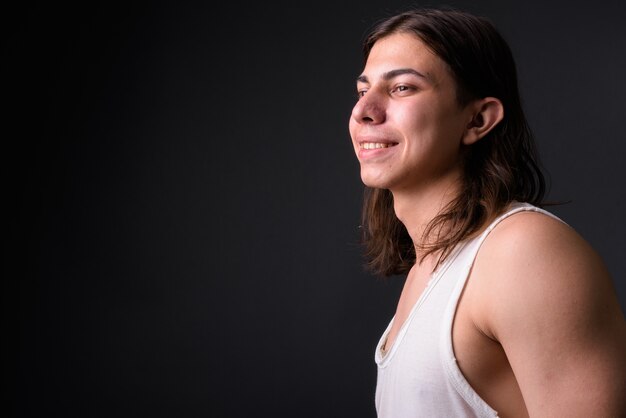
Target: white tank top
point(419, 376)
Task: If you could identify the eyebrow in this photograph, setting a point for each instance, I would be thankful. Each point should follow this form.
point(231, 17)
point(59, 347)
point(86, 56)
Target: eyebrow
point(392, 74)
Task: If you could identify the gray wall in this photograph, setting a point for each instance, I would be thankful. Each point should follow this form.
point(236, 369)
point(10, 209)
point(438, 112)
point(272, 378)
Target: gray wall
point(185, 201)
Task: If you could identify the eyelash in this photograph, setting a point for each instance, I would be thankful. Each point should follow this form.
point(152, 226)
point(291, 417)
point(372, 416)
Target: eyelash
point(399, 89)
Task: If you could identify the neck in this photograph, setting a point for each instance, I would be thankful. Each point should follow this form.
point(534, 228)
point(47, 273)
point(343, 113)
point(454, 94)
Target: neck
point(417, 208)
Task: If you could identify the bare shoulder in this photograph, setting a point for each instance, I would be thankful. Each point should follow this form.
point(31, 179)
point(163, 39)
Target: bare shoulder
point(542, 292)
point(543, 263)
point(542, 238)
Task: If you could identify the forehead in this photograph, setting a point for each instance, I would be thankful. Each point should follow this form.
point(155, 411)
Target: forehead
point(404, 50)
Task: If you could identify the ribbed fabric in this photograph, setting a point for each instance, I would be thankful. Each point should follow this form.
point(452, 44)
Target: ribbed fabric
point(419, 375)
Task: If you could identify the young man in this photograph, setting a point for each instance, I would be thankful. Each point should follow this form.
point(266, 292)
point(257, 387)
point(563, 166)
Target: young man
point(506, 311)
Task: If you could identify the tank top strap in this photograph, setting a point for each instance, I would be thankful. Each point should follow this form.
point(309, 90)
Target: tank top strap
point(467, 257)
point(514, 208)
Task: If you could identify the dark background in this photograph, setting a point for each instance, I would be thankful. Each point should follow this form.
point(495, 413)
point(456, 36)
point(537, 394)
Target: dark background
point(182, 236)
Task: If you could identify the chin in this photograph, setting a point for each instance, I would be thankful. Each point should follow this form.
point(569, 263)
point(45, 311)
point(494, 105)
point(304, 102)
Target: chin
point(375, 182)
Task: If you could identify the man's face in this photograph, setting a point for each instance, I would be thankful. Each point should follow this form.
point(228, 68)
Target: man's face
point(407, 126)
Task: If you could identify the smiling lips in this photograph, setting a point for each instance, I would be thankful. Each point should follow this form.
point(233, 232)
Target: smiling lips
point(373, 148)
point(375, 145)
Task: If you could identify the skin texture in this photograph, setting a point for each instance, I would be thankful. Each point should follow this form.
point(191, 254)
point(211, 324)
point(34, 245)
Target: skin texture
point(538, 330)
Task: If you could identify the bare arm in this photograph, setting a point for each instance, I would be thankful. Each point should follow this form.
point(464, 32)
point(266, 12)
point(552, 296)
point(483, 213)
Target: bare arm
point(549, 301)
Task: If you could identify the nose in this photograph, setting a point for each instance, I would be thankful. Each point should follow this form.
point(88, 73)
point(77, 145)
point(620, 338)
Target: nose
point(370, 109)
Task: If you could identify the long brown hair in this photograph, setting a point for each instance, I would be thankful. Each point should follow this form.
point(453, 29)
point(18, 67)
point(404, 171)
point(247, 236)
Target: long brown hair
point(500, 168)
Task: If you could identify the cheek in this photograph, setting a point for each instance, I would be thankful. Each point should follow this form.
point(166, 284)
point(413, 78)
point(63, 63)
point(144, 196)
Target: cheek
point(412, 114)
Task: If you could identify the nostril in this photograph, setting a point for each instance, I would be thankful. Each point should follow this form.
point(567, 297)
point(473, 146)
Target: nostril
point(368, 111)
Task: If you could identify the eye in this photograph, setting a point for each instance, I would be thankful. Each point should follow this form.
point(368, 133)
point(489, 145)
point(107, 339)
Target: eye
point(401, 88)
point(360, 93)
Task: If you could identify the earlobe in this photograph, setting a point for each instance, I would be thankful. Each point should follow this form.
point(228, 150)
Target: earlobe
point(488, 112)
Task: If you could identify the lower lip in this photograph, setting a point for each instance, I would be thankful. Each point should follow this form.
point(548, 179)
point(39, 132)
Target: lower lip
point(365, 154)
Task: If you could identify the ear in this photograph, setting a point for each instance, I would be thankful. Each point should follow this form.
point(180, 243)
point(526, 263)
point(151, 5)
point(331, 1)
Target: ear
point(486, 114)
